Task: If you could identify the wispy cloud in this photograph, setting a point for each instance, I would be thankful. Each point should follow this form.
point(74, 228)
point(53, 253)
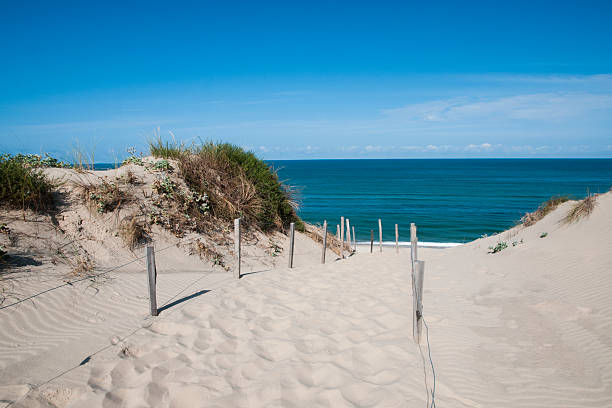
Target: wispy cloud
point(543, 106)
point(597, 79)
point(468, 116)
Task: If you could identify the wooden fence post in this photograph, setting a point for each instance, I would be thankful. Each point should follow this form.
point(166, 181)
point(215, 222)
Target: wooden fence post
point(348, 234)
point(354, 240)
point(237, 248)
point(324, 241)
point(380, 234)
point(396, 239)
point(341, 237)
point(417, 300)
point(413, 244)
point(338, 232)
point(291, 243)
point(152, 277)
point(371, 240)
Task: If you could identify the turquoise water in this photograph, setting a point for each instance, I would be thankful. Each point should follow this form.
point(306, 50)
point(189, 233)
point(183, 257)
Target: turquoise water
point(449, 200)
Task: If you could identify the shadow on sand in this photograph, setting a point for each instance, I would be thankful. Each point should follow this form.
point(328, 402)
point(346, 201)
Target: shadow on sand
point(181, 300)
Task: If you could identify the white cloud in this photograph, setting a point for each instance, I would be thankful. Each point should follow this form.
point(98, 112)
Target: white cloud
point(483, 147)
point(370, 148)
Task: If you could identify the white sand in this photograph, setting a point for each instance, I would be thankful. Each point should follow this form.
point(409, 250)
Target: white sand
point(530, 326)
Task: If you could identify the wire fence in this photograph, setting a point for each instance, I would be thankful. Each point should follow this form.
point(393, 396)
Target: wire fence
point(91, 276)
point(172, 301)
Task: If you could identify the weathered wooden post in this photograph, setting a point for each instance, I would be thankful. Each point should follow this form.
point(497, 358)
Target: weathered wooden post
point(291, 243)
point(371, 240)
point(354, 240)
point(342, 238)
point(152, 277)
point(338, 232)
point(380, 234)
point(324, 241)
point(348, 234)
point(417, 300)
point(237, 249)
point(396, 239)
point(413, 244)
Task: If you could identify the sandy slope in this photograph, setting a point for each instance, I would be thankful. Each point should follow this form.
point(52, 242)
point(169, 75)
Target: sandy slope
point(530, 326)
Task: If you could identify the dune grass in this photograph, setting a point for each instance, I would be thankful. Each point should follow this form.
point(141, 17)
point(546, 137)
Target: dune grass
point(133, 232)
point(581, 209)
point(23, 186)
point(104, 197)
point(236, 182)
point(167, 150)
point(545, 208)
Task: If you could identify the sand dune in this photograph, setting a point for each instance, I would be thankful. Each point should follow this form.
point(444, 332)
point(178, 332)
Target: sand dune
point(530, 326)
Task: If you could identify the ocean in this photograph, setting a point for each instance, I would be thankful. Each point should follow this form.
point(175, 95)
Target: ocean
point(450, 200)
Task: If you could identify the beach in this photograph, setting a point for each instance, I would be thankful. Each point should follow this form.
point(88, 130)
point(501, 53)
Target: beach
point(528, 326)
point(306, 204)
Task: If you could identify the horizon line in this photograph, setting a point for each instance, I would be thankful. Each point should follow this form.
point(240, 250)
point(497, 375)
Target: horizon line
point(425, 158)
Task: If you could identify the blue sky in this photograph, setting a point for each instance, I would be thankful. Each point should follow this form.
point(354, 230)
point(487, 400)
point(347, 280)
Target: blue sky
point(310, 80)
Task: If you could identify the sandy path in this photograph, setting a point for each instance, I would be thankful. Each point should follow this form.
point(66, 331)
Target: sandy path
point(47, 335)
point(278, 337)
point(530, 326)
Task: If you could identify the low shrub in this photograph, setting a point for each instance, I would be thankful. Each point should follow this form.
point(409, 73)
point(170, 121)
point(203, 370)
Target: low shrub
point(164, 187)
point(240, 185)
point(178, 209)
point(132, 158)
point(23, 186)
point(498, 248)
point(104, 197)
point(162, 165)
point(36, 160)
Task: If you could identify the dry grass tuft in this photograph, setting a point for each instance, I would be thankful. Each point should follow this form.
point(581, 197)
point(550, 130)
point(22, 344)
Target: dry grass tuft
point(581, 209)
point(129, 178)
point(230, 193)
point(81, 265)
point(210, 254)
point(178, 209)
point(333, 243)
point(545, 208)
point(236, 182)
point(133, 232)
point(103, 197)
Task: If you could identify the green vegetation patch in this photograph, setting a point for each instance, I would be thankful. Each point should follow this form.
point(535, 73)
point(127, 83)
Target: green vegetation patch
point(498, 248)
point(104, 197)
point(167, 150)
point(36, 160)
point(23, 186)
point(236, 183)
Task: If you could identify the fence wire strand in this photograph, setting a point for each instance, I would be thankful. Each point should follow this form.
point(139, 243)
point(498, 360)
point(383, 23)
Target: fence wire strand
point(92, 276)
point(433, 371)
point(122, 339)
